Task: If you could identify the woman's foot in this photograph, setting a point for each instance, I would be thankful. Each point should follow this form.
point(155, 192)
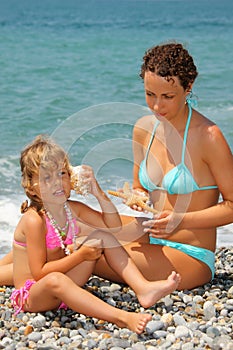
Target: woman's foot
point(136, 322)
point(154, 291)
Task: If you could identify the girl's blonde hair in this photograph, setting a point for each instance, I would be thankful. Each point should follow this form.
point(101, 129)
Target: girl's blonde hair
point(42, 153)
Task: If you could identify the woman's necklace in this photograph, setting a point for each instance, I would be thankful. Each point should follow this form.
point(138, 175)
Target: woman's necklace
point(61, 231)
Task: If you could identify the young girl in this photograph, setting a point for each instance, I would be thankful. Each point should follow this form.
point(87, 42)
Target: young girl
point(47, 273)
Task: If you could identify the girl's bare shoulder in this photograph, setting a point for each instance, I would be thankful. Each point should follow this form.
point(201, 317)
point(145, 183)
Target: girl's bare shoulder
point(32, 219)
point(75, 206)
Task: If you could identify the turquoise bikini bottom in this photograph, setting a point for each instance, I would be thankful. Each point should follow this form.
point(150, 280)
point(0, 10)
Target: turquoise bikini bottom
point(202, 254)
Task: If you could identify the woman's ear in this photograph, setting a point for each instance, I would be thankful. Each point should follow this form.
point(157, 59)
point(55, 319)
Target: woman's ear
point(189, 89)
point(188, 92)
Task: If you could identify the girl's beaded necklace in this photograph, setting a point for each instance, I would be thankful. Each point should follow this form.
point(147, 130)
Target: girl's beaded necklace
point(62, 231)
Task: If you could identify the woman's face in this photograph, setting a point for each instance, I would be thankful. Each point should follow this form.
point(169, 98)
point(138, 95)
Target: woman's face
point(52, 185)
point(166, 99)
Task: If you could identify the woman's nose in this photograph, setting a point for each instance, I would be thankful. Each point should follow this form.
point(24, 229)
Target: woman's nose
point(156, 104)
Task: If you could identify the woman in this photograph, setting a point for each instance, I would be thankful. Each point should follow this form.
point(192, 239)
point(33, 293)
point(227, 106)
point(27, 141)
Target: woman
point(182, 160)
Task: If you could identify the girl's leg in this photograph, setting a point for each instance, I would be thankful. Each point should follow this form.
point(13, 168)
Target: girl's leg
point(157, 262)
point(6, 275)
point(82, 272)
point(7, 259)
point(6, 270)
point(148, 293)
point(48, 293)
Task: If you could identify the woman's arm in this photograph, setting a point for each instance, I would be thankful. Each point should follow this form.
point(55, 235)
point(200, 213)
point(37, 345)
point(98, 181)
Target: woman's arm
point(219, 158)
point(140, 135)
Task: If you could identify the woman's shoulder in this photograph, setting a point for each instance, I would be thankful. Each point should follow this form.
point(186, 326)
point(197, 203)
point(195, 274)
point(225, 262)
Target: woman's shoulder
point(209, 133)
point(144, 125)
point(145, 121)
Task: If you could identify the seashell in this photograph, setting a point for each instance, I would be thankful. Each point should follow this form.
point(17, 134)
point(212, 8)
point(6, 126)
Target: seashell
point(76, 180)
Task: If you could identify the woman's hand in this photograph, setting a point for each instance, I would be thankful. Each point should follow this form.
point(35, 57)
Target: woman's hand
point(139, 193)
point(163, 224)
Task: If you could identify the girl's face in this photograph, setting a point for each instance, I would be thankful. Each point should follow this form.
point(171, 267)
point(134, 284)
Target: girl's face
point(165, 98)
point(52, 185)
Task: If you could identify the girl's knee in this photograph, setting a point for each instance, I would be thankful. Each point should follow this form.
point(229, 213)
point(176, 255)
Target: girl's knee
point(55, 280)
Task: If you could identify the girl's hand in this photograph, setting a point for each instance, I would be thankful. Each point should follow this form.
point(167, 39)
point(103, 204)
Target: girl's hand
point(89, 180)
point(163, 225)
point(91, 249)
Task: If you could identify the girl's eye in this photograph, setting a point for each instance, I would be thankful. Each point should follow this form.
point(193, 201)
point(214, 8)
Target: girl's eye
point(47, 178)
point(62, 173)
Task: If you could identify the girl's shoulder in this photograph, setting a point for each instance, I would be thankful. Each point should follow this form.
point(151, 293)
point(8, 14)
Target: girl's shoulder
point(31, 218)
point(29, 222)
point(75, 206)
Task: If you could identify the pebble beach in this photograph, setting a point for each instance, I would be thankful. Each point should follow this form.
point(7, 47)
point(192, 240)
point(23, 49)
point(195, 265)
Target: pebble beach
point(201, 318)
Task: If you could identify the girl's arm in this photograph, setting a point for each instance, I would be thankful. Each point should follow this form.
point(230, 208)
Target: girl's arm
point(35, 231)
point(108, 218)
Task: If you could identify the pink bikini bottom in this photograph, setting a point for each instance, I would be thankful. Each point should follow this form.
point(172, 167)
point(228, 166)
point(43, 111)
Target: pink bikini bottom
point(19, 297)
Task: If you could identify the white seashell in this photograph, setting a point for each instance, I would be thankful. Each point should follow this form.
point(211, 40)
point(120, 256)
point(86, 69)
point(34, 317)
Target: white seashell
point(76, 180)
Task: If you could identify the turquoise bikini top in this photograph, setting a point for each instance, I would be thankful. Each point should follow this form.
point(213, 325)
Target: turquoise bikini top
point(179, 180)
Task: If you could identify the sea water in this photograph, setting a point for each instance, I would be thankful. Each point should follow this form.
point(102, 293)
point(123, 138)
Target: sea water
point(70, 69)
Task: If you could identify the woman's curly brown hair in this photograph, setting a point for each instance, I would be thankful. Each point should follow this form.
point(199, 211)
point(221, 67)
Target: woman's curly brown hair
point(170, 60)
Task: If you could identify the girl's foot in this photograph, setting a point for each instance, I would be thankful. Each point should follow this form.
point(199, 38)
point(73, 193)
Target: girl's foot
point(136, 322)
point(154, 291)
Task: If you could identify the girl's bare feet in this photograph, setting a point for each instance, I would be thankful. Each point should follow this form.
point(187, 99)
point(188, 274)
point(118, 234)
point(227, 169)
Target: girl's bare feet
point(136, 322)
point(154, 291)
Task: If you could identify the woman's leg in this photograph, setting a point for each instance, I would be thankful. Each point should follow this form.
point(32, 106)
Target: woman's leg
point(50, 291)
point(148, 293)
point(157, 262)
